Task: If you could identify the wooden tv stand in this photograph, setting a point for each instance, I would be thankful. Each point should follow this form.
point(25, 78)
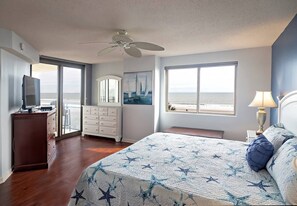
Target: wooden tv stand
point(33, 140)
point(196, 132)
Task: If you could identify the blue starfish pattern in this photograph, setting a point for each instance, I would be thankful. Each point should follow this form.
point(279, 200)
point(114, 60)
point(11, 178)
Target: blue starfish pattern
point(183, 170)
point(155, 181)
point(216, 156)
point(295, 147)
point(272, 163)
point(131, 159)
point(114, 183)
point(191, 197)
point(195, 152)
point(273, 196)
point(232, 151)
point(210, 178)
point(128, 150)
point(152, 146)
point(77, 196)
point(99, 167)
point(144, 194)
point(236, 200)
point(166, 149)
point(259, 184)
point(174, 158)
point(179, 202)
point(106, 195)
point(234, 170)
point(147, 166)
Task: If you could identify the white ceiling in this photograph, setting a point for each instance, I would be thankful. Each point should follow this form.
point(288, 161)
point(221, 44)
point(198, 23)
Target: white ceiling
point(57, 27)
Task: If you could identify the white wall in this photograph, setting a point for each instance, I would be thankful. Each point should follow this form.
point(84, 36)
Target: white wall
point(12, 69)
point(253, 73)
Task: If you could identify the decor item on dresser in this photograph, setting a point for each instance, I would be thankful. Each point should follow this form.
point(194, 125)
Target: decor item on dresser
point(102, 121)
point(137, 88)
point(33, 140)
point(262, 100)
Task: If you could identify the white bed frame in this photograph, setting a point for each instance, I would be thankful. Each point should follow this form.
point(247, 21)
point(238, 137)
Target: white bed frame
point(287, 111)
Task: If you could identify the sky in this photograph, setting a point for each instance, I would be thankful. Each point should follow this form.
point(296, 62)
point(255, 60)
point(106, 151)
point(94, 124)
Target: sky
point(212, 79)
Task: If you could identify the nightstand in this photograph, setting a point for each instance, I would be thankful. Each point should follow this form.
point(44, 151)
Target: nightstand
point(250, 135)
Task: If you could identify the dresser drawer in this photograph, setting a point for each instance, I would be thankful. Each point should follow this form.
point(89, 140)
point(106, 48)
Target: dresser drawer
point(91, 122)
point(87, 110)
point(91, 128)
point(108, 131)
point(94, 112)
point(108, 124)
point(103, 109)
point(94, 109)
point(112, 111)
point(91, 117)
point(108, 118)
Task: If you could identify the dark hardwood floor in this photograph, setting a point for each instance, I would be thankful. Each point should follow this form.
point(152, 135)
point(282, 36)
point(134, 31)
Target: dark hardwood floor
point(53, 186)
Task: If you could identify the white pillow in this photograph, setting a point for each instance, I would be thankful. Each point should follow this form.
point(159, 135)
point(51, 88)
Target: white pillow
point(281, 167)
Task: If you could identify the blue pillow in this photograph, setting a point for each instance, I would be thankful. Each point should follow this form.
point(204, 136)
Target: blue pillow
point(259, 152)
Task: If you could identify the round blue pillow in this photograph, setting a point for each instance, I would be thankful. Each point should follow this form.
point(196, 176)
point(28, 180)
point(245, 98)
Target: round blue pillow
point(259, 152)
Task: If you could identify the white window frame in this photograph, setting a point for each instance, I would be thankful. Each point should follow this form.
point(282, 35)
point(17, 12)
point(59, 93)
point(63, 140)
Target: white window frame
point(199, 66)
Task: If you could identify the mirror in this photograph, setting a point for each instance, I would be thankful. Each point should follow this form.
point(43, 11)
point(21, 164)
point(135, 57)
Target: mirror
point(109, 90)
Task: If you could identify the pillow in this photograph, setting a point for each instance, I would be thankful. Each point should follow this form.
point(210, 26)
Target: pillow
point(281, 168)
point(259, 152)
point(277, 135)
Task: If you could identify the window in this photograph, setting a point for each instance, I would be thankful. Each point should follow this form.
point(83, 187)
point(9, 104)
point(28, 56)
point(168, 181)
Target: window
point(202, 89)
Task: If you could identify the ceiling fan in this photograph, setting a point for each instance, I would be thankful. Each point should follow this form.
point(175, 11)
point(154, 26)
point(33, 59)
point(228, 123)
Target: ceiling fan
point(122, 40)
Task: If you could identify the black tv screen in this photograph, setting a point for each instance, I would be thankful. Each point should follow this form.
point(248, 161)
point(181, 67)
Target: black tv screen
point(31, 92)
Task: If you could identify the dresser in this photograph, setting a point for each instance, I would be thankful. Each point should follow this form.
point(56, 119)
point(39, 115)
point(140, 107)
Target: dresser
point(104, 121)
point(33, 140)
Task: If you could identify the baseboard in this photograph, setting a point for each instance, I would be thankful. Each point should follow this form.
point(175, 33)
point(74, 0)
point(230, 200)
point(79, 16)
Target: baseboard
point(5, 177)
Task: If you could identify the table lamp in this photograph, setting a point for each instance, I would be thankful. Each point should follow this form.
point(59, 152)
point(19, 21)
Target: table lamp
point(262, 100)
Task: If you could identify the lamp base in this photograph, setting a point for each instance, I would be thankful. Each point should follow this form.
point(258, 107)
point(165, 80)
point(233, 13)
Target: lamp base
point(261, 117)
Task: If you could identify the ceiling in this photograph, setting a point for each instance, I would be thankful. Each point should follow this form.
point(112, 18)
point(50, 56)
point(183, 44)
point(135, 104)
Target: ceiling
point(57, 27)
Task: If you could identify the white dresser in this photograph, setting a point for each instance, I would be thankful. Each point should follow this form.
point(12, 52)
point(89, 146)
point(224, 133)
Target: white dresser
point(102, 121)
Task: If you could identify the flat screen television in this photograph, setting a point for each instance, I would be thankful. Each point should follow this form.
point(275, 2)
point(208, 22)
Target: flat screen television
point(31, 93)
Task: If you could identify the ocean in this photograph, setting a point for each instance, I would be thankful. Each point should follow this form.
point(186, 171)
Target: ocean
point(205, 98)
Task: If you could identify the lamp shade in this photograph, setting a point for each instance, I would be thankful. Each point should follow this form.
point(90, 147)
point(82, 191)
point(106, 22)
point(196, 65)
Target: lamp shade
point(263, 99)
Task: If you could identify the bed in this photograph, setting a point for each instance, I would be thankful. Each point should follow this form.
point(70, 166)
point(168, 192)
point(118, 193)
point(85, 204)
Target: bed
point(164, 169)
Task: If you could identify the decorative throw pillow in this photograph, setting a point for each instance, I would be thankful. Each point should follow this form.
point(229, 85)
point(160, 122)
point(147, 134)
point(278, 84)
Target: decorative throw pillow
point(259, 152)
point(281, 168)
point(277, 135)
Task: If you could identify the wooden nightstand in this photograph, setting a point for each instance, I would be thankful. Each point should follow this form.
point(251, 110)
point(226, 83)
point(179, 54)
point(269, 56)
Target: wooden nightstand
point(250, 135)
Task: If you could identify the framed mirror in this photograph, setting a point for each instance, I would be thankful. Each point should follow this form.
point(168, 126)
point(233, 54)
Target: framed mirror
point(109, 90)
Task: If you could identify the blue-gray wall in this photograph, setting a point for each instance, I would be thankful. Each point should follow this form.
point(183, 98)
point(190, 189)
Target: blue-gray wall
point(284, 64)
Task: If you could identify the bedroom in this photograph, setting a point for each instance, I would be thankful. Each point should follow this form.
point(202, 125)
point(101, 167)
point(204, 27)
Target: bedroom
point(257, 35)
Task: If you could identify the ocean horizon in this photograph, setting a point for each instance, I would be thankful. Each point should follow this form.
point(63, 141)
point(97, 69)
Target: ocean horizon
point(204, 98)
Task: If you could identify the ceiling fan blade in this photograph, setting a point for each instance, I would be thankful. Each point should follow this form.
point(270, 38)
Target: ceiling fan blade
point(148, 46)
point(133, 51)
point(107, 50)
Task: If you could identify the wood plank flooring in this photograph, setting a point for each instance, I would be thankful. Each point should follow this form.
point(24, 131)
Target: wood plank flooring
point(53, 186)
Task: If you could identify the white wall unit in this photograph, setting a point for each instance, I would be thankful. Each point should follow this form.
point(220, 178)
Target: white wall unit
point(102, 121)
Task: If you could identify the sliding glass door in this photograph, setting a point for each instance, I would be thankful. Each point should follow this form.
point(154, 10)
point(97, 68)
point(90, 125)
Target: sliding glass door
point(71, 114)
point(61, 88)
